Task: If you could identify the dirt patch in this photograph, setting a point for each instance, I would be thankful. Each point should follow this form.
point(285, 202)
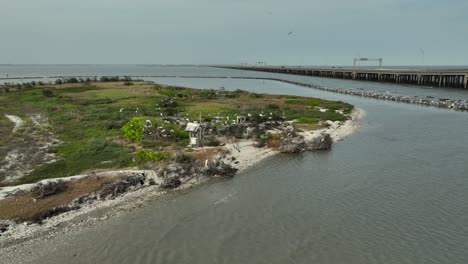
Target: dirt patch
point(25, 208)
point(208, 153)
point(32, 144)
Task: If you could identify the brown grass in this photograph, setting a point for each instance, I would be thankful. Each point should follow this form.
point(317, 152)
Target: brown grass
point(274, 144)
point(207, 154)
point(23, 208)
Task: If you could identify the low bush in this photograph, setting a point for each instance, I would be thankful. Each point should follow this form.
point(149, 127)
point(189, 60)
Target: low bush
point(143, 156)
point(212, 142)
point(48, 93)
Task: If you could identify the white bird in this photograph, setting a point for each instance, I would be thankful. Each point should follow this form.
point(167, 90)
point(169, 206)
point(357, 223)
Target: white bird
point(121, 110)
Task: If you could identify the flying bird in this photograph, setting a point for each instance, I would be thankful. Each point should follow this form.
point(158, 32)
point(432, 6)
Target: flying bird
point(290, 33)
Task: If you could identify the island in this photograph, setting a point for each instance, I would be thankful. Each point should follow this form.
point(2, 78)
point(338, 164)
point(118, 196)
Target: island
point(77, 144)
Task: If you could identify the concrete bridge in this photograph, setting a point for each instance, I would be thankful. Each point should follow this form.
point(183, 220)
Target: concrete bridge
point(429, 77)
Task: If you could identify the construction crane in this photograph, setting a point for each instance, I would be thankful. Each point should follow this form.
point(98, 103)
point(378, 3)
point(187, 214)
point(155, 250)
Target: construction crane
point(380, 60)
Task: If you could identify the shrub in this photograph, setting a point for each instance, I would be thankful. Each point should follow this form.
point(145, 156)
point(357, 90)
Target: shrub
point(143, 156)
point(109, 78)
point(47, 93)
point(162, 156)
point(212, 142)
point(134, 129)
point(183, 159)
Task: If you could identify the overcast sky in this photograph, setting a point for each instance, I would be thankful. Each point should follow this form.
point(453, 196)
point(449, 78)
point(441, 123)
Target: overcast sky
point(306, 32)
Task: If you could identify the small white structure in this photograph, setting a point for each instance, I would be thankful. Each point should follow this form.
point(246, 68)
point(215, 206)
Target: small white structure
point(195, 133)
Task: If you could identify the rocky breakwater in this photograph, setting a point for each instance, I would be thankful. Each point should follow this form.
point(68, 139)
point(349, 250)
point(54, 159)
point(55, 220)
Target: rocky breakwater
point(299, 143)
point(460, 105)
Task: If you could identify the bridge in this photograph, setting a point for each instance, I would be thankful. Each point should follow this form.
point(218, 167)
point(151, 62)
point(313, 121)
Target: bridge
point(457, 78)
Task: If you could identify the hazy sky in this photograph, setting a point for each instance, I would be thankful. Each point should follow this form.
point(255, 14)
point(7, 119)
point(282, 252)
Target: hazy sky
point(324, 32)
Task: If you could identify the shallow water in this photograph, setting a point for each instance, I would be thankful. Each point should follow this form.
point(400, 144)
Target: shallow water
point(394, 192)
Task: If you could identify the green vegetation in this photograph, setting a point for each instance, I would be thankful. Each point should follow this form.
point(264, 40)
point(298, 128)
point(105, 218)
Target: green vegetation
point(77, 158)
point(307, 120)
point(142, 157)
point(314, 102)
point(137, 129)
point(104, 125)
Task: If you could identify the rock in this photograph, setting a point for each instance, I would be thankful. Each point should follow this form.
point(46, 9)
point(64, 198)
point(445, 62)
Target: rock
point(293, 145)
point(322, 142)
point(123, 185)
point(219, 168)
point(42, 190)
point(105, 217)
point(3, 228)
point(171, 183)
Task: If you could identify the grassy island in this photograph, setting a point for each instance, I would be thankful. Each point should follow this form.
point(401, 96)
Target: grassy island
point(89, 127)
point(101, 125)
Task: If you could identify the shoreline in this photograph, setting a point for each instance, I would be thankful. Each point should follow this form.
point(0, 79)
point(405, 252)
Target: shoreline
point(245, 155)
point(248, 155)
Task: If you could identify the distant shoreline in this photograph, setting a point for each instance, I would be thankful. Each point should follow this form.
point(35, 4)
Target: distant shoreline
point(459, 105)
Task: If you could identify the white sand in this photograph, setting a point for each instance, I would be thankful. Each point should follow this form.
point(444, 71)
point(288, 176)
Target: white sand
point(17, 120)
point(244, 154)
